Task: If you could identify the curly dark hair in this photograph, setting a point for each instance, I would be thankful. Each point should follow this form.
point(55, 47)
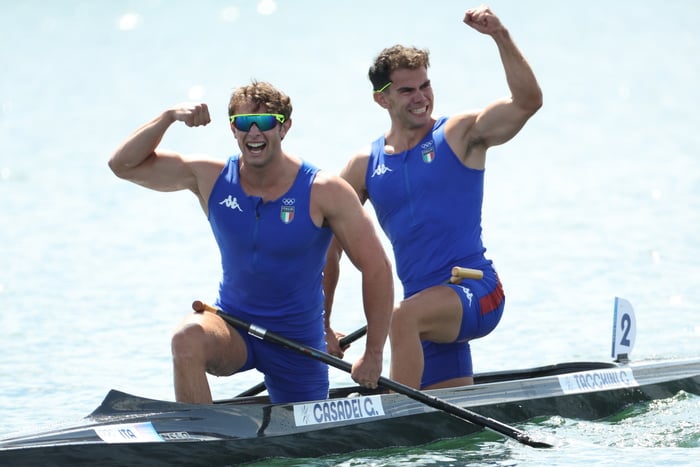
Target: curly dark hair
point(263, 96)
point(394, 58)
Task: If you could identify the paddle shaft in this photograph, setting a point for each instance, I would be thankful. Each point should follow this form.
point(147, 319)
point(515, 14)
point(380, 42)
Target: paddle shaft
point(344, 342)
point(458, 273)
point(395, 386)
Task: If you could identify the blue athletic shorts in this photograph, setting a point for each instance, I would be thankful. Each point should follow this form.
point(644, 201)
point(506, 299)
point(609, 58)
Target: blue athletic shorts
point(289, 376)
point(482, 304)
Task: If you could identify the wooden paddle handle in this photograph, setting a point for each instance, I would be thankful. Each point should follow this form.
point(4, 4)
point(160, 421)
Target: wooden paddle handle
point(200, 307)
point(465, 273)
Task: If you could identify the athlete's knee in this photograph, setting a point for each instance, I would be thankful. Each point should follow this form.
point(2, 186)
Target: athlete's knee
point(187, 342)
point(402, 322)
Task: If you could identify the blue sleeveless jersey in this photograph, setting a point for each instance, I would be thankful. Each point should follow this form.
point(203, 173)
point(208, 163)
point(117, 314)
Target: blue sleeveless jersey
point(429, 205)
point(272, 254)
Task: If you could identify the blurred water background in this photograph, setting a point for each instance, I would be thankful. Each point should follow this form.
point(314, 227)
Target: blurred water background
point(597, 197)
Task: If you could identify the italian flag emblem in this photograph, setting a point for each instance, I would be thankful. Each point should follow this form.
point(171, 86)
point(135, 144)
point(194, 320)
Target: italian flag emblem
point(428, 156)
point(287, 214)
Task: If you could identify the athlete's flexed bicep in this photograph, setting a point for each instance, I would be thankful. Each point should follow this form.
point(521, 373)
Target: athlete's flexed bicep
point(470, 134)
point(139, 160)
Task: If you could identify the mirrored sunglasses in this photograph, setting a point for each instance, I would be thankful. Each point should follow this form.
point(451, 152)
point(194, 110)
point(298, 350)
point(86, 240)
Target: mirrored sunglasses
point(264, 122)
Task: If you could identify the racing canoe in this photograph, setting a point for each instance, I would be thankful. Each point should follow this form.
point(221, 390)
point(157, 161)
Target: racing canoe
point(130, 430)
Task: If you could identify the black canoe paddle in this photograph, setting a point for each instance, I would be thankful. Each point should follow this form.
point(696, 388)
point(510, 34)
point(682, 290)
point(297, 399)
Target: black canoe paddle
point(387, 383)
point(344, 342)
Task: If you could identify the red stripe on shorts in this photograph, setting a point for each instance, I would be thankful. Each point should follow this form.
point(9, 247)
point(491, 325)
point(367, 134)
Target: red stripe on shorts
point(493, 300)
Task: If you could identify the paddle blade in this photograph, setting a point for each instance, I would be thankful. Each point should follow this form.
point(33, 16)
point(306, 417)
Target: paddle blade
point(525, 439)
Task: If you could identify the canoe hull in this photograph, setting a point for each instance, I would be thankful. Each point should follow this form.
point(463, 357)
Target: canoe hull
point(248, 429)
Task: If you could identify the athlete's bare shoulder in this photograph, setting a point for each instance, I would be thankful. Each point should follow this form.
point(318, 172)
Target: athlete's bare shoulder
point(355, 170)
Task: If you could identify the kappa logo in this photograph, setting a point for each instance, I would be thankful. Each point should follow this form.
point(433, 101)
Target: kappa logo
point(467, 293)
point(287, 210)
point(231, 202)
point(381, 170)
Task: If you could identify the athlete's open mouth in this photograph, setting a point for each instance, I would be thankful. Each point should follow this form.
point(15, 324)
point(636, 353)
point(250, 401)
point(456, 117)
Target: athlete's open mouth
point(256, 147)
point(419, 111)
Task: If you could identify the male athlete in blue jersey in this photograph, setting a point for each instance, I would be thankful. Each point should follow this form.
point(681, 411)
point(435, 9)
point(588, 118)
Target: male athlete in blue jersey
point(425, 179)
point(273, 216)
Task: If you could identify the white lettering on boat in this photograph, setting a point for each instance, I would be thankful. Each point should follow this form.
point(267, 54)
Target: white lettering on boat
point(128, 433)
point(176, 435)
point(597, 380)
point(338, 410)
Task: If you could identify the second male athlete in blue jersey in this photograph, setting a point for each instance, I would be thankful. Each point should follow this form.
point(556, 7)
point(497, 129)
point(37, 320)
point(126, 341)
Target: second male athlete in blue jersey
point(425, 179)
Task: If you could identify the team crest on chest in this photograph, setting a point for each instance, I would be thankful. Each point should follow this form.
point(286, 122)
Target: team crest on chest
point(427, 150)
point(287, 210)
